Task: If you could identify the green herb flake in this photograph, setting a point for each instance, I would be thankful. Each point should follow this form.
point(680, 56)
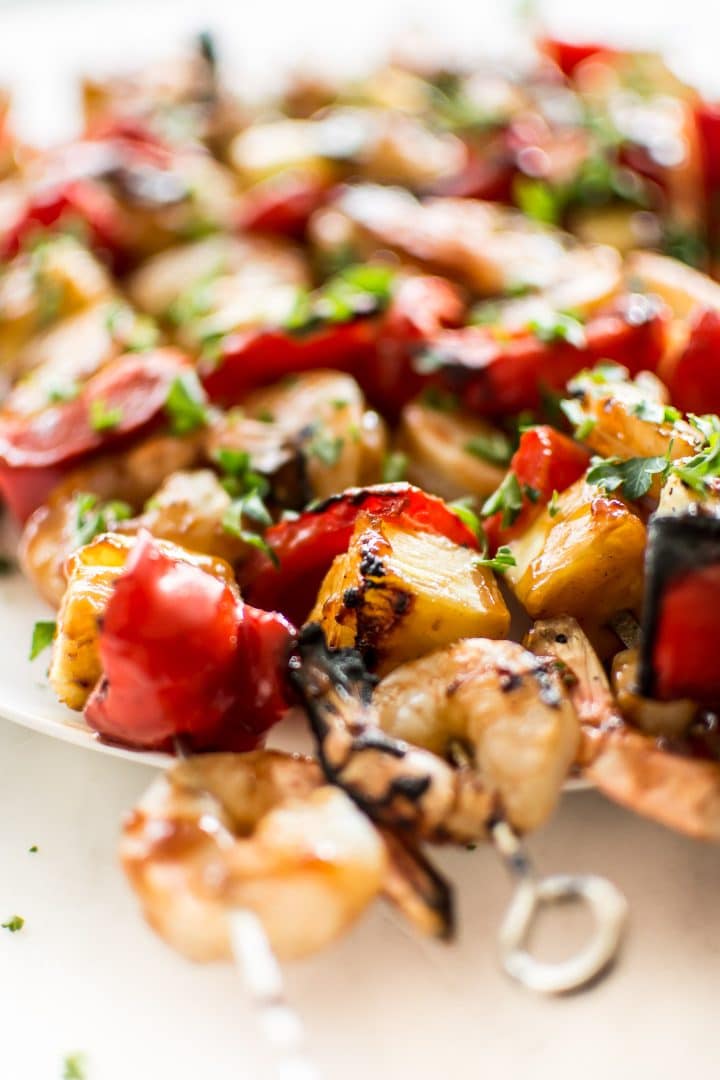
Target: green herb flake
point(394, 467)
point(656, 413)
point(501, 562)
point(508, 498)
point(537, 200)
point(42, 637)
point(34, 849)
point(103, 418)
point(93, 518)
point(488, 313)
point(439, 400)
point(186, 404)
point(557, 326)
point(633, 476)
point(577, 416)
point(327, 448)
point(74, 1067)
point(58, 395)
point(464, 509)
point(494, 447)
point(708, 424)
point(13, 924)
point(698, 471)
point(554, 506)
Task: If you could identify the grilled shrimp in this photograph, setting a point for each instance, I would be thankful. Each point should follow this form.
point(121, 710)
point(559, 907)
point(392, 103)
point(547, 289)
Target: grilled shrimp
point(132, 476)
point(263, 831)
point(514, 767)
point(635, 769)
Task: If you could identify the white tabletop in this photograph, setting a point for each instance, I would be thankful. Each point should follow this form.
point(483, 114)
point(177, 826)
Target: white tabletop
point(85, 974)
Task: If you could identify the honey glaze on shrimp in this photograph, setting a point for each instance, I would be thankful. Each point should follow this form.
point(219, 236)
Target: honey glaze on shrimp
point(262, 831)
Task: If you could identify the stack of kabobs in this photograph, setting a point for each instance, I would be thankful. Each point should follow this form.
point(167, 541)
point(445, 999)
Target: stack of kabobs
point(298, 399)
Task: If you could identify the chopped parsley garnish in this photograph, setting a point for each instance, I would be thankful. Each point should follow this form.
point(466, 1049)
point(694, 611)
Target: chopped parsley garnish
point(463, 508)
point(248, 490)
point(575, 413)
point(134, 332)
point(708, 424)
point(632, 477)
point(508, 498)
point(698, 471)
point(494, 447)
point(60, 394)
point(558, 326)
point(93, 517)
point(488, 313)
point(74, 1067)
point(103, 418)
point(33, 849)
point(327, 448)
point(554, 506)
point(684, 244)
point(196, 300)
point(42, 637)
point(656, 413)
point(394, 467)
point(13, 924)
point(502, 560)
point(364, 289)
point(537, 200)
point(186, 404)
point(265, 417)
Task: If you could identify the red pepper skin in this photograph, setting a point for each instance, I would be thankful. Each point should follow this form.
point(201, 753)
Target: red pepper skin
point(488, 175)
point(421, 308)
point(36, 449)
point(685, 654)
point(82, 200)
point(693, 377)
point(493, 376)
point(306, 547)
point(281, 206)
point(569, 54)
point(545, 461)
point(184, 657)
point(257, 357)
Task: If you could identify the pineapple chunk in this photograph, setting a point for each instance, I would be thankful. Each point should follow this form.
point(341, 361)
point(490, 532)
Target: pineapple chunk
point(585, 561)
point(399, 593)
point(91, 575)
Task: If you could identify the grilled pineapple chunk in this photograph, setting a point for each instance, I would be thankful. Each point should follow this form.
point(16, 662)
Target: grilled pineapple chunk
point(91, 575)
point(584, 560)
point(399, 593)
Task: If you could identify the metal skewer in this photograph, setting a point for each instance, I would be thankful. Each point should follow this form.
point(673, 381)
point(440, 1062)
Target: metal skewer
point(279, 1023)
point(606, 902)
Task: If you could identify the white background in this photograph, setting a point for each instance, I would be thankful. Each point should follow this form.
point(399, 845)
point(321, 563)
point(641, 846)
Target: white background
point(85, 974)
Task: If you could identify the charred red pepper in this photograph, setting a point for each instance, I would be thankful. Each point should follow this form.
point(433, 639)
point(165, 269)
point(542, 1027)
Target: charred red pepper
point(495, 374)
point(569, 54)
point(545, 461)
point(693, 376)
point(304, 548)
point(122, 399)
point(681, 622)
point(183, 657)
point(282, 205)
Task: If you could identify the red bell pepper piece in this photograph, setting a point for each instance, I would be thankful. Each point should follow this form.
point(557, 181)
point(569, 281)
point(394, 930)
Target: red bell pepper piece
point(707, 122)
point(305, 548)
point(184, 657)
point(282, 205)
point(569, 54)
point(494, 375)
point(487, 175)
point(254, 358)
point(544, 462)
point(128, 394)
point(687, 638)
point(420, 309)
point(693, 376)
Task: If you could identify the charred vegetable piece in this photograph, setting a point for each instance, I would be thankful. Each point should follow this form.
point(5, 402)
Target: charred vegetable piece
point(545, 463)
point(400, 592)
point(123, 399)
point(183, 656)
point(585, 559)
point(495, 374)
point(305, 548)
point(681, 622)
point(91, 575)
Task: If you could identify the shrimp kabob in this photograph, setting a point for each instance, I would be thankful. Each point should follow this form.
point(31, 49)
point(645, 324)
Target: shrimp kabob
point(212, 401)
